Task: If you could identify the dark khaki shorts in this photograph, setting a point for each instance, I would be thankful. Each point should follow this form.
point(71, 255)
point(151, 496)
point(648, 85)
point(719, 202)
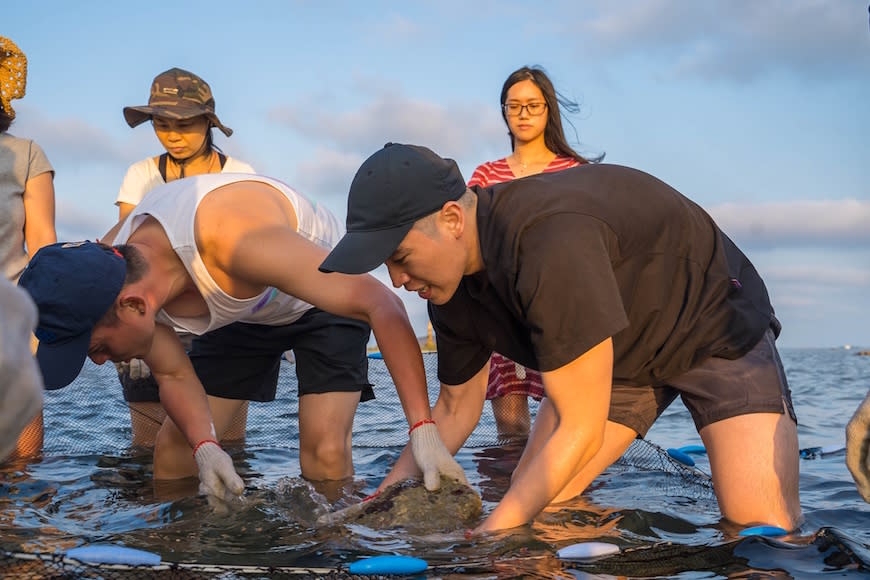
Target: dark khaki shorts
point(717, 389)
point(241, 361)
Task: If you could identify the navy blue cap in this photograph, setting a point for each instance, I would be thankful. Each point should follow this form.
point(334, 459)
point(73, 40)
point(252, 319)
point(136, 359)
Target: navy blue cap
point(73, 285)
point(392, 189)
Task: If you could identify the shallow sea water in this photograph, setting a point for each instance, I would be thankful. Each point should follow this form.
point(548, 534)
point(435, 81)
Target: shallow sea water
point(89, 487)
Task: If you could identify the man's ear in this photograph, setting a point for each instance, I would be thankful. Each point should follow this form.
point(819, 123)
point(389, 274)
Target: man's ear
point(452, 216)
point(131, 304)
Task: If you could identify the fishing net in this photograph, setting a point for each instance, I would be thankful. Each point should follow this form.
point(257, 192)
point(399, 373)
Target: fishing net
point(90, 417)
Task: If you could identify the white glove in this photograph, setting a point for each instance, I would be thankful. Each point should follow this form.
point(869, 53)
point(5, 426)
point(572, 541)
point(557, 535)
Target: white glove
point(432, 456)
point(218, 479)
point(858, 448)
point(136, 368)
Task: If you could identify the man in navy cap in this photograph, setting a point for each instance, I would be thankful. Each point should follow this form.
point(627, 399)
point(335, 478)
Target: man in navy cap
point(233, 259)
point(621, 291)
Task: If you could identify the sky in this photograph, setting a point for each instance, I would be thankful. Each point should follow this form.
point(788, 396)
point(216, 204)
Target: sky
point(755, 109)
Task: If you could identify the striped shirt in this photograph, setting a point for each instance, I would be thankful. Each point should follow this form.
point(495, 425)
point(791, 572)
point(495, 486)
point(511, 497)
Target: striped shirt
point(505, 376)
point(499, 171)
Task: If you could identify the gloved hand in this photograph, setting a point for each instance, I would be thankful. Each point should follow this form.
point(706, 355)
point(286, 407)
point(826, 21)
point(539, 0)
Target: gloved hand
point(136, 369)
point(432, 456)
point(858, 448)
point(218, 479)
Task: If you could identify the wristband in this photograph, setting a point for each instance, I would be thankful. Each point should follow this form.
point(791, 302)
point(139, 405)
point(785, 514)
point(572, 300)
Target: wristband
point(419, 423)
point(372, 496)
point(203, 442)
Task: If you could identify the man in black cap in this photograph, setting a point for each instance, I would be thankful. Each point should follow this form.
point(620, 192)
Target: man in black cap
point(621, 291)
point(232, 259)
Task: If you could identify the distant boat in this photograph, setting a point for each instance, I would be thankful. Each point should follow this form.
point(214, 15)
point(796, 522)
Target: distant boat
point(847, 346)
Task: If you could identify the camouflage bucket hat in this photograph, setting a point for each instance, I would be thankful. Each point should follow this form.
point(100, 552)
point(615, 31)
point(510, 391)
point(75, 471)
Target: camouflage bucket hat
point(177, 94)
point(13, 74)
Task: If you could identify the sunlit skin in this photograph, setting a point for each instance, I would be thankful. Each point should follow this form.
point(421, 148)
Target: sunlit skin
point(431, 261)
point(185, 140)
point(530, 153)
point(182, 138)
point(526, 128)
point(130, 338)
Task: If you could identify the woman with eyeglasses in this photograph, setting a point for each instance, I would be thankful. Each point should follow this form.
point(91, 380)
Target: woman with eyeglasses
point(530, 107)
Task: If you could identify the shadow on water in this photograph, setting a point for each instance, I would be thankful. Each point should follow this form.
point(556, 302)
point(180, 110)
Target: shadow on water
point(666, 524)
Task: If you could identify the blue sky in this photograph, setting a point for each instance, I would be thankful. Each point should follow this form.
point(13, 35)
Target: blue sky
point(757, 110)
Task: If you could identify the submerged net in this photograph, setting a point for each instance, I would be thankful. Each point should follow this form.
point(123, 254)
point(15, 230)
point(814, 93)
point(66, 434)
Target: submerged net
point(90, 417)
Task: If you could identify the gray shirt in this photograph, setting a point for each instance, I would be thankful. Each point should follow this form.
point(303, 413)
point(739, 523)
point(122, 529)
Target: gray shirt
point(20, 161)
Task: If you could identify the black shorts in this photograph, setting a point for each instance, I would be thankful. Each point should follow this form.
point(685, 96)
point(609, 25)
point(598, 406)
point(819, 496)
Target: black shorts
point(717, 389)
point(241, 361)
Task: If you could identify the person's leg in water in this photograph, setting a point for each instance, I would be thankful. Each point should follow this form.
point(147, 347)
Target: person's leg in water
point(508, 388)
point(512, 417)
point(332, 373)
point(750, 437)
point(173, 456)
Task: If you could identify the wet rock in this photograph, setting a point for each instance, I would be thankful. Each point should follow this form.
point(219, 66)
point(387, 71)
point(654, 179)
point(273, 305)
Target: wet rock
point(408, 504)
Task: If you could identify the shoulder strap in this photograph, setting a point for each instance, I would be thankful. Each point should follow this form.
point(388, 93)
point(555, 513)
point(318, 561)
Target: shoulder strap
point(161, 166)
point(223, 159)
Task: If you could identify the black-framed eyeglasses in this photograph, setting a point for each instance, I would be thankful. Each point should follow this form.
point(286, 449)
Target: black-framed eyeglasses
point(516, 109)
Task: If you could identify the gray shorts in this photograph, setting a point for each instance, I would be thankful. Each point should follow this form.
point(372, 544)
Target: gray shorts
point(717, 389)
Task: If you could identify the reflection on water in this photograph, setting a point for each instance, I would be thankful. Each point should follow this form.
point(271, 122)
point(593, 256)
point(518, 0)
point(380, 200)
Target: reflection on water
point(664, 526)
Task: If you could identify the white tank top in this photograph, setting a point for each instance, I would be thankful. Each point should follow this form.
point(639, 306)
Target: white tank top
point(174, 206)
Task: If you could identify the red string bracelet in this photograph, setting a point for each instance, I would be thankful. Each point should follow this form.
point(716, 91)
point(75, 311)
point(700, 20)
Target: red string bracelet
point(419, 423)
point(203, 442)
point(372, 496)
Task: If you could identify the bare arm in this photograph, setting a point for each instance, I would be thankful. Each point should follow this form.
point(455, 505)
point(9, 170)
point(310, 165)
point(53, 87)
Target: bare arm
point(248, 246)
point(124, 210)
point(39, 212)
point(181, 392)
point(580, 395)
point(858, 447)
point(456, 413)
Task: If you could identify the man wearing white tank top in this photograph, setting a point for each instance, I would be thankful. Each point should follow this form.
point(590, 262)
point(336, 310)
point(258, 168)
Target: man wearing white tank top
point(233, 259)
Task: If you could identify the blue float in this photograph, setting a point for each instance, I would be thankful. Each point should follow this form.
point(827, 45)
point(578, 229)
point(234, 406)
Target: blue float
point(681, 457)
point(388, 565)
point(768, 531)
point(376, 355)
point(112, 554)
point(693, 449)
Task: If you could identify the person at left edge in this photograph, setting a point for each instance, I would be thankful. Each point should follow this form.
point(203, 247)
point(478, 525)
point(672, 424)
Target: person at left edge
point(233, 259)
point(26, 202)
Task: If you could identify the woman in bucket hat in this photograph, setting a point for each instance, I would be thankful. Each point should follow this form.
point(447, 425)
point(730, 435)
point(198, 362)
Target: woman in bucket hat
point(181, 109)
point(26, 198)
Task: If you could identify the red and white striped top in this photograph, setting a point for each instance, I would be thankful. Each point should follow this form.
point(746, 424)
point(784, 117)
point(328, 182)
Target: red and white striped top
point(499, 171)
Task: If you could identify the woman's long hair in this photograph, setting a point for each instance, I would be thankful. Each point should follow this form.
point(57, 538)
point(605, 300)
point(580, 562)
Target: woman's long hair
point(554, 135)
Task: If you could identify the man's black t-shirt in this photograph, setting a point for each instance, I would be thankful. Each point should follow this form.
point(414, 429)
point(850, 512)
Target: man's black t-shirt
point(591, 252)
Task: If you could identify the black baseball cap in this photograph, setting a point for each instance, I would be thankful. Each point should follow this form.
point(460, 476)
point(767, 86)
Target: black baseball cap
point(392, 189)
point(73, 285)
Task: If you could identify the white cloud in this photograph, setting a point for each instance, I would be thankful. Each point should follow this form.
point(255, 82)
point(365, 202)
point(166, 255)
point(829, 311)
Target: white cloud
point(820, 222)
point(74, 140)
point(75, 222)
point(740, 41)
point(457, 130)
